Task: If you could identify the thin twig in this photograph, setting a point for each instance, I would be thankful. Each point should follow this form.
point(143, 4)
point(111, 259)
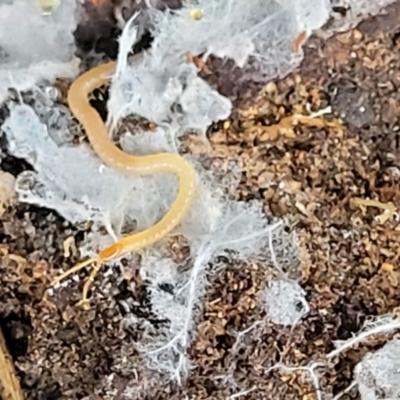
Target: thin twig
point(10, 388)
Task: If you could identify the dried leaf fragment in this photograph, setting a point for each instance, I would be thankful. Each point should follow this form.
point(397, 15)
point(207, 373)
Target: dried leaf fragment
point(70, 247)
point(285, 127)
point(388, 208)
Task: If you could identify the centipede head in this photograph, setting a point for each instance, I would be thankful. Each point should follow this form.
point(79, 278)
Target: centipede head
point(111, 252)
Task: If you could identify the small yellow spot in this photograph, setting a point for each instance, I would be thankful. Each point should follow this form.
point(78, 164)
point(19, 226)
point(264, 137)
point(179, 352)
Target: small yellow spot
point(386, 267)
point(196, 14)
point(48, 6)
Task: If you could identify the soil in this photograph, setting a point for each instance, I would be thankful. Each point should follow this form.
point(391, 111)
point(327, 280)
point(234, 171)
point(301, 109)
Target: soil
point(351, 253)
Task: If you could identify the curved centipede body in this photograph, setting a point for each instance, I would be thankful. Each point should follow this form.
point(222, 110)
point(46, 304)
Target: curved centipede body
point(112, 156)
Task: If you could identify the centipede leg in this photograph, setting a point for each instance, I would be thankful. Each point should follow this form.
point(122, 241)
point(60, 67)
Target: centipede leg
point(71, 271)
point(96, 268)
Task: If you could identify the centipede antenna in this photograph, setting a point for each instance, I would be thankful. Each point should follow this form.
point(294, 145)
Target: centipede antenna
point(72, 270)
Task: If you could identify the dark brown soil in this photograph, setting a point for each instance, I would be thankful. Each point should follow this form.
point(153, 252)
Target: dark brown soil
point(351, 271)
